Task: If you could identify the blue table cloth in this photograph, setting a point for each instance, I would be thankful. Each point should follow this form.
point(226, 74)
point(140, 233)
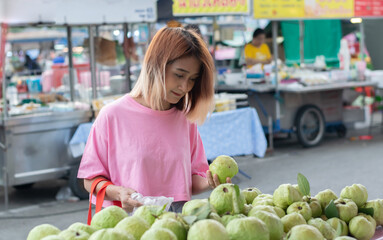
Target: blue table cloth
point(233, 133)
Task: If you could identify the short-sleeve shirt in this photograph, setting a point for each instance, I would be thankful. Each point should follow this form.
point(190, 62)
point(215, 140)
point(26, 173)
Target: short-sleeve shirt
point(153, 152)
point(259, 53)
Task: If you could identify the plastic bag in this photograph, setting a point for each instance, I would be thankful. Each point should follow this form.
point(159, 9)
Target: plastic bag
point(148, 200)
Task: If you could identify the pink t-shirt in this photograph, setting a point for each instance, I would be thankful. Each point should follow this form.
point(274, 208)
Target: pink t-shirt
point(153, 152)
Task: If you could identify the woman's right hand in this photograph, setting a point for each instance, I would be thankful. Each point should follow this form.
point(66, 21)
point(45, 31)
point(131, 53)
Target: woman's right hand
point(124, 196)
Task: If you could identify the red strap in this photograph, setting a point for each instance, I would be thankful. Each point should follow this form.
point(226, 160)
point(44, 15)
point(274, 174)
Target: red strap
point(94, 184)
point(100, 197)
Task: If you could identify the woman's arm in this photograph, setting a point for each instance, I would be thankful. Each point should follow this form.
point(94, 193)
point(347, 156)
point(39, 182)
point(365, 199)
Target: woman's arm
point(114, 193)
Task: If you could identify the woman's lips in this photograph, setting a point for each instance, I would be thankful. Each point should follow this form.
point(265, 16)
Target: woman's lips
point(178, 95)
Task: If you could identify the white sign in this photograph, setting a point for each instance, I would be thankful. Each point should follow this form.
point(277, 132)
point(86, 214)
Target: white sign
point(78, 11)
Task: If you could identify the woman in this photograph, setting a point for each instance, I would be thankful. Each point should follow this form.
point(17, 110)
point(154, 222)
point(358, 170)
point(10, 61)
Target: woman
point(257, 51)
point(147, 141)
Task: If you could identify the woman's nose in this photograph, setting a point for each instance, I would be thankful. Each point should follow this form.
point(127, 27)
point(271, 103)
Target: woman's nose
point(183, 85)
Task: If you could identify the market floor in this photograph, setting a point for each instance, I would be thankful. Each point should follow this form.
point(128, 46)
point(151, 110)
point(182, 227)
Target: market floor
point(334, 164)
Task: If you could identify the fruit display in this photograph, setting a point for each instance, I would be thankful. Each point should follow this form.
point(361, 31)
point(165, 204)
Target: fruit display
point(230, 213)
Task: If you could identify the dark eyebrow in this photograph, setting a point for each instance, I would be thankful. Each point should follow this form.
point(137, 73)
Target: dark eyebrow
point(182, 70)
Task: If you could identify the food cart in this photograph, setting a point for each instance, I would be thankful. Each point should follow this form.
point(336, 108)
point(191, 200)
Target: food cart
point(34, 146)
point(305, 110)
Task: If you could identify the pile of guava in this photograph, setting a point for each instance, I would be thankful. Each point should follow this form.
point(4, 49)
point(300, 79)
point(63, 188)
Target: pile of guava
point(231, 213)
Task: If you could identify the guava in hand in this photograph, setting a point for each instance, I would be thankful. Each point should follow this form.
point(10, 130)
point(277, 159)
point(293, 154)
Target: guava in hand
point(224, 166)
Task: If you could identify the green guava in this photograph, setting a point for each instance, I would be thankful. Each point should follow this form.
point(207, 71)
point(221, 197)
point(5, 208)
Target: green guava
point(111, 234)
point(249, 228)
point(327, 231)
point(285, 195)
point(227, 199)
point(362, 227)
point(227, 218)
point(250, 194)
point(291, 220)
point(377, 205)
point(207, 229)
point(133, 225)
point(316, 208)
point(273, 223)
point(173, 225)
point(192, 205)
point(356, 192)
point(215, 216)
point(280, 212)
point(82, 226)
point(149, 213)
point(41, 231)
point(247, 208)
point(266, 208)
point(70, 234)
point(224, 166)
point(304, 232)
point(108, 217)
point(302, 208)
point(347, 209)
point(159, 234)
point(339, 226)
point(325, 197)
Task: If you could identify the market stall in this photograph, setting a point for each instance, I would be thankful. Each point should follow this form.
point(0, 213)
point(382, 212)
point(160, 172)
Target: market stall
point(35, 129)
point(305, 100)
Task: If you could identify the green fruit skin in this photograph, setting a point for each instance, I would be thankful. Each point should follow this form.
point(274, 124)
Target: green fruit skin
point(110, 234)
point(325, 197)
point(41, 231)
point(316, 208)
point(339, 226)
point(159, 234)
point(145, 213)
point(224, 199)
point(82, 226)
point(52, 237)
point(347, 209)
point(249, 228)
point(207, 229)
point(173, 225)
point(302, 208)
point(377, 205)
point(355, 192)
point(362, 228)
point(227, 218)
point(273, 222)
point(108, 217)
point(224, 166)
point(250, 194)
point(133, 225)
point(327, 231)
point(304, 232)
point(266, 208)
point(70, 234)
point(345, 238)
point(285, 195)
point(189, 206)
point(280, 212)
point(291, 220)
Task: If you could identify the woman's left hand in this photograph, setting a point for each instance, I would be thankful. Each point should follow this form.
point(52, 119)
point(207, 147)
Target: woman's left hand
point(213, 180)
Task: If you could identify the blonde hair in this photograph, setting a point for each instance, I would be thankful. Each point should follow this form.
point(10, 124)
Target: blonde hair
point(167, 46)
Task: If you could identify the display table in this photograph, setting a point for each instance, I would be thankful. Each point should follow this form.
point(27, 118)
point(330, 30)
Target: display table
point(378, 234)
point(237, 132)
point(233, 133)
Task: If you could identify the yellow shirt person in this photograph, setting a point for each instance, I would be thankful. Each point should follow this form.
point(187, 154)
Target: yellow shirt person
point(257, 50)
